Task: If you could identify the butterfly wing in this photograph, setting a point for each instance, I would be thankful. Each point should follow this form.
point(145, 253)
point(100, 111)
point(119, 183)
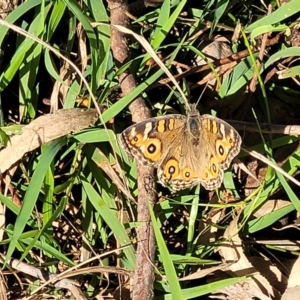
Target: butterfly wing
point(221, 143)
point(223, 140)
point(151, 140)
point(202, 157)
point(179, 169)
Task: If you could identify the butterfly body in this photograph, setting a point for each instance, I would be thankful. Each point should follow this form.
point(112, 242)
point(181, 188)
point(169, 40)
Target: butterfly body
point(186, 150)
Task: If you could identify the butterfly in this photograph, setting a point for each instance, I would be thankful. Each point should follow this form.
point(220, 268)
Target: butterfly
point(186, 150)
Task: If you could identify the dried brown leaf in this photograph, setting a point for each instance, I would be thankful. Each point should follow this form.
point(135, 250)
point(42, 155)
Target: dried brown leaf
point(43, 130)
point(233, 254)
point(294, 280)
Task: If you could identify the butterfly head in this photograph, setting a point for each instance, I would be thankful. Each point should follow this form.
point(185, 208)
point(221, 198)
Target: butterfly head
point(192, 110)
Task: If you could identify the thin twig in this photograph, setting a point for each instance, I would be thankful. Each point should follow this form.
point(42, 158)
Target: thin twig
point(271, 164)
point(226, 60)
point(266, 128)
point(44, 276)
point(144, 272)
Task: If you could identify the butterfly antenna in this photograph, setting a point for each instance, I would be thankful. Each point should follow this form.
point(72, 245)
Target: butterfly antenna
point(200, 97)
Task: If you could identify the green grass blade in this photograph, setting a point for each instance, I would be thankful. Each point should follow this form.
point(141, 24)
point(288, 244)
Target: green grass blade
point(101, 53)
point(290, 72)
point(268, 29)
point(280, 14)
point(166, 260)
point(30, 67)
point(268, 219)
point(27, 239)
point(292, 196)
point(219, 12)
point(33, 191)
point(111, 219)
point(22, 51)
point(90, 32)
point(55, 17)
point(164, 14)
point(159, 37)
point(17, 13)
point(292, 51)
point(45, 228)
point(202, 290)
point(122, 103)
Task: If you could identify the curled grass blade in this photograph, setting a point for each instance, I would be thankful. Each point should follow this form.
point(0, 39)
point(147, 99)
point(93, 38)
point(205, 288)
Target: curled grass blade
point(292, 51)
point(280, 14)
point(194, 210)
point(268, 29)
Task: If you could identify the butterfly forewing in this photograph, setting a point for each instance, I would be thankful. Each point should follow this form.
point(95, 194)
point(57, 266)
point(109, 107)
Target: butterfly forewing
point(149, 141)
point(222, 139)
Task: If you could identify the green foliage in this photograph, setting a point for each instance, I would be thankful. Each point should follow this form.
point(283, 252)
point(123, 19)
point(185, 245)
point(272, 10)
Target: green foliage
point(67, 198)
